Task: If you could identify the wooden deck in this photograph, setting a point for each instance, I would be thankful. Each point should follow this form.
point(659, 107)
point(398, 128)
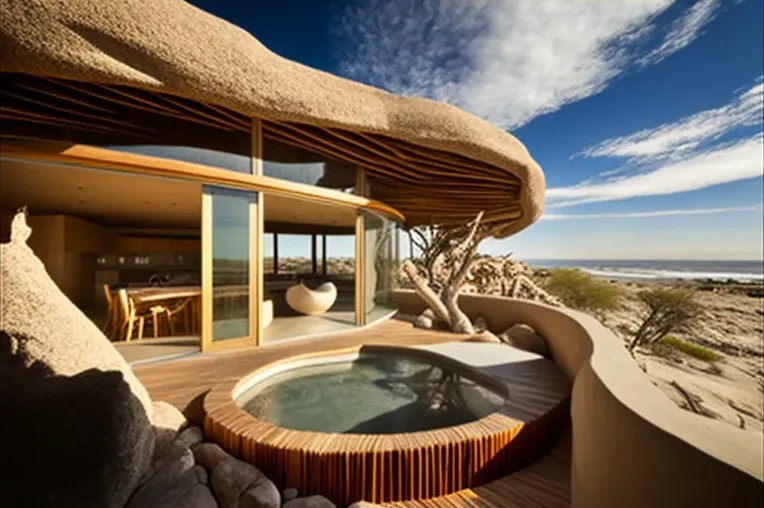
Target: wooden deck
point(185, 382)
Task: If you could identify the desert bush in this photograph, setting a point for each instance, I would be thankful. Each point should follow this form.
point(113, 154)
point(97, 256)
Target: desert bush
point(671, 343)
point(668, 310)
point(579, 290)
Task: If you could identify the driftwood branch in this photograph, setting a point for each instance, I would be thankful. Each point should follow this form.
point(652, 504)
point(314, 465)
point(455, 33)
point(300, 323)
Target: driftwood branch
point(691, 404)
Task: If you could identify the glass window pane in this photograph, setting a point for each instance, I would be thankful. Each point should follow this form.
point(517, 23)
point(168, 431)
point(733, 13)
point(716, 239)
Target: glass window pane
point(296, 164)
point(230, 263)
point(381, 255)
point(268, 239)
point(340, 254)
point(294, 254)
point(203, 156)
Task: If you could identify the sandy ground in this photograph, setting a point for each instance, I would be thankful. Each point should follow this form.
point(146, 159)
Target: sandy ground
point(732, 325)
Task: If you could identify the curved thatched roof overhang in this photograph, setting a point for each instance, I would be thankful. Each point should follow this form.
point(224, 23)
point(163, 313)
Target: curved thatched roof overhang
point(435, 163)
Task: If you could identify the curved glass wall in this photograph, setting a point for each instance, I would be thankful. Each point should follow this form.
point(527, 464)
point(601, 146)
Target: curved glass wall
point(357, 253)
point(288, 162)
point(381, 264)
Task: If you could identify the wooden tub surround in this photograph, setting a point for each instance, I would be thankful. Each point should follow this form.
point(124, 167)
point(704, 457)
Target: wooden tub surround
point(412, 466)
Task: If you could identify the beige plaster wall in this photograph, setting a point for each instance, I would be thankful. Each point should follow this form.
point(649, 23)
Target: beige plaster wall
point(632, 446)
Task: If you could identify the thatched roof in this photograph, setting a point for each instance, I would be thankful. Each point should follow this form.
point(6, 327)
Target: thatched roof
point(456, 163)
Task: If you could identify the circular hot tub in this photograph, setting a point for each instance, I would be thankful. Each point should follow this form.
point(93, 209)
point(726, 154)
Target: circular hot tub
point(377, 424)
point(371, 393)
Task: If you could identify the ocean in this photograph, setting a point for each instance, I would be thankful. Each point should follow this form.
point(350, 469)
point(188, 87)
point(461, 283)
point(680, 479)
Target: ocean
point(655, 269)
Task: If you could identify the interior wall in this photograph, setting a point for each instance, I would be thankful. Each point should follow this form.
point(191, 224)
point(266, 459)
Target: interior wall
point(67, 246)
point(82, 241)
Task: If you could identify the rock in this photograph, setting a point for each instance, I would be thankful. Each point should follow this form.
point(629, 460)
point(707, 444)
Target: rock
point(309, 502)
point(485, 336)
point(289, 494)
point(480, 324)
point(364, 504)
point(167, 416)
point(167, 472)
point(61, 337)
point(168, 421)
point(237, 484)
point(191, 436)
point(70, 440)
point(209, 455)
point(68, 390)
point(189, 492)
point(424, 322)
point(524, 337)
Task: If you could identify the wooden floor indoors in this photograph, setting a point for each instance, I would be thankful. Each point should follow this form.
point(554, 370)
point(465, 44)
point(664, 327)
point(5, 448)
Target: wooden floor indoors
point(184, 382)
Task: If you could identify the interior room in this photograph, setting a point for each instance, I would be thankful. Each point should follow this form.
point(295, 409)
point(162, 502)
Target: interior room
point(99, 232)
point(125, 249)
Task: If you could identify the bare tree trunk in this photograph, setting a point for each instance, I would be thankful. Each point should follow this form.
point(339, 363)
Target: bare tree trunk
point(432, 300)
point(447, 254)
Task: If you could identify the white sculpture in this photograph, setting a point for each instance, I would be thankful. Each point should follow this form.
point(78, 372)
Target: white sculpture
point(311, 302)
point(267, 313)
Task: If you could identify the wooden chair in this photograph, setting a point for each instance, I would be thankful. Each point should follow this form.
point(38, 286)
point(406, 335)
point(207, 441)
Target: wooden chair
point(131, 316)
point(112, 314)
point(184, 310)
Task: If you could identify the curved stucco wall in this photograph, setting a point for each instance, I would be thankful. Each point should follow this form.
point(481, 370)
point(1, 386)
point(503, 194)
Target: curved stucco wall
point(632, 446)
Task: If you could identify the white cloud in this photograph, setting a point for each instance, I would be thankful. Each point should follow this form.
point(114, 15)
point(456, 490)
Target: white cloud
point(658, 213)
point(506, 61)
point(683, 31)
point(738, 161)
point(674, 139)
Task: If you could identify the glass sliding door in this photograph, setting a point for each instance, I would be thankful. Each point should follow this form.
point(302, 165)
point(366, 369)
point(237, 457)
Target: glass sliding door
point(228, 240)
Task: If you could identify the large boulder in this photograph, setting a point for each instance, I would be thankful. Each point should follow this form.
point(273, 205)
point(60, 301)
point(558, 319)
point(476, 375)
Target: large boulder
point(45, 326)
point(74, 414)
point(68, 441)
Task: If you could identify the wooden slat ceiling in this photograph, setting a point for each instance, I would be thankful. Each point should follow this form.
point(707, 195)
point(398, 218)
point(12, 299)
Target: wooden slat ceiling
point(427, 186)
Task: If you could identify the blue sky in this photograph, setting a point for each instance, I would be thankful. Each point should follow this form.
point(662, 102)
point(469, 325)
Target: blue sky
point(646, 115)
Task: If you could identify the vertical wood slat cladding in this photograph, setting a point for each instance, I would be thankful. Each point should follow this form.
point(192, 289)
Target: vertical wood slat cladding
point(381, 468)
point(457, 187)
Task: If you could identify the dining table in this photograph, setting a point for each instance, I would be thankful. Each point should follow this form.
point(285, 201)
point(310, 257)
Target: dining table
point(158, 294)
point(187, 298)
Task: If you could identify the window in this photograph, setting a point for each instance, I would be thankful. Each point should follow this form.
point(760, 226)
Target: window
point(298, 165)
point(231, 262)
